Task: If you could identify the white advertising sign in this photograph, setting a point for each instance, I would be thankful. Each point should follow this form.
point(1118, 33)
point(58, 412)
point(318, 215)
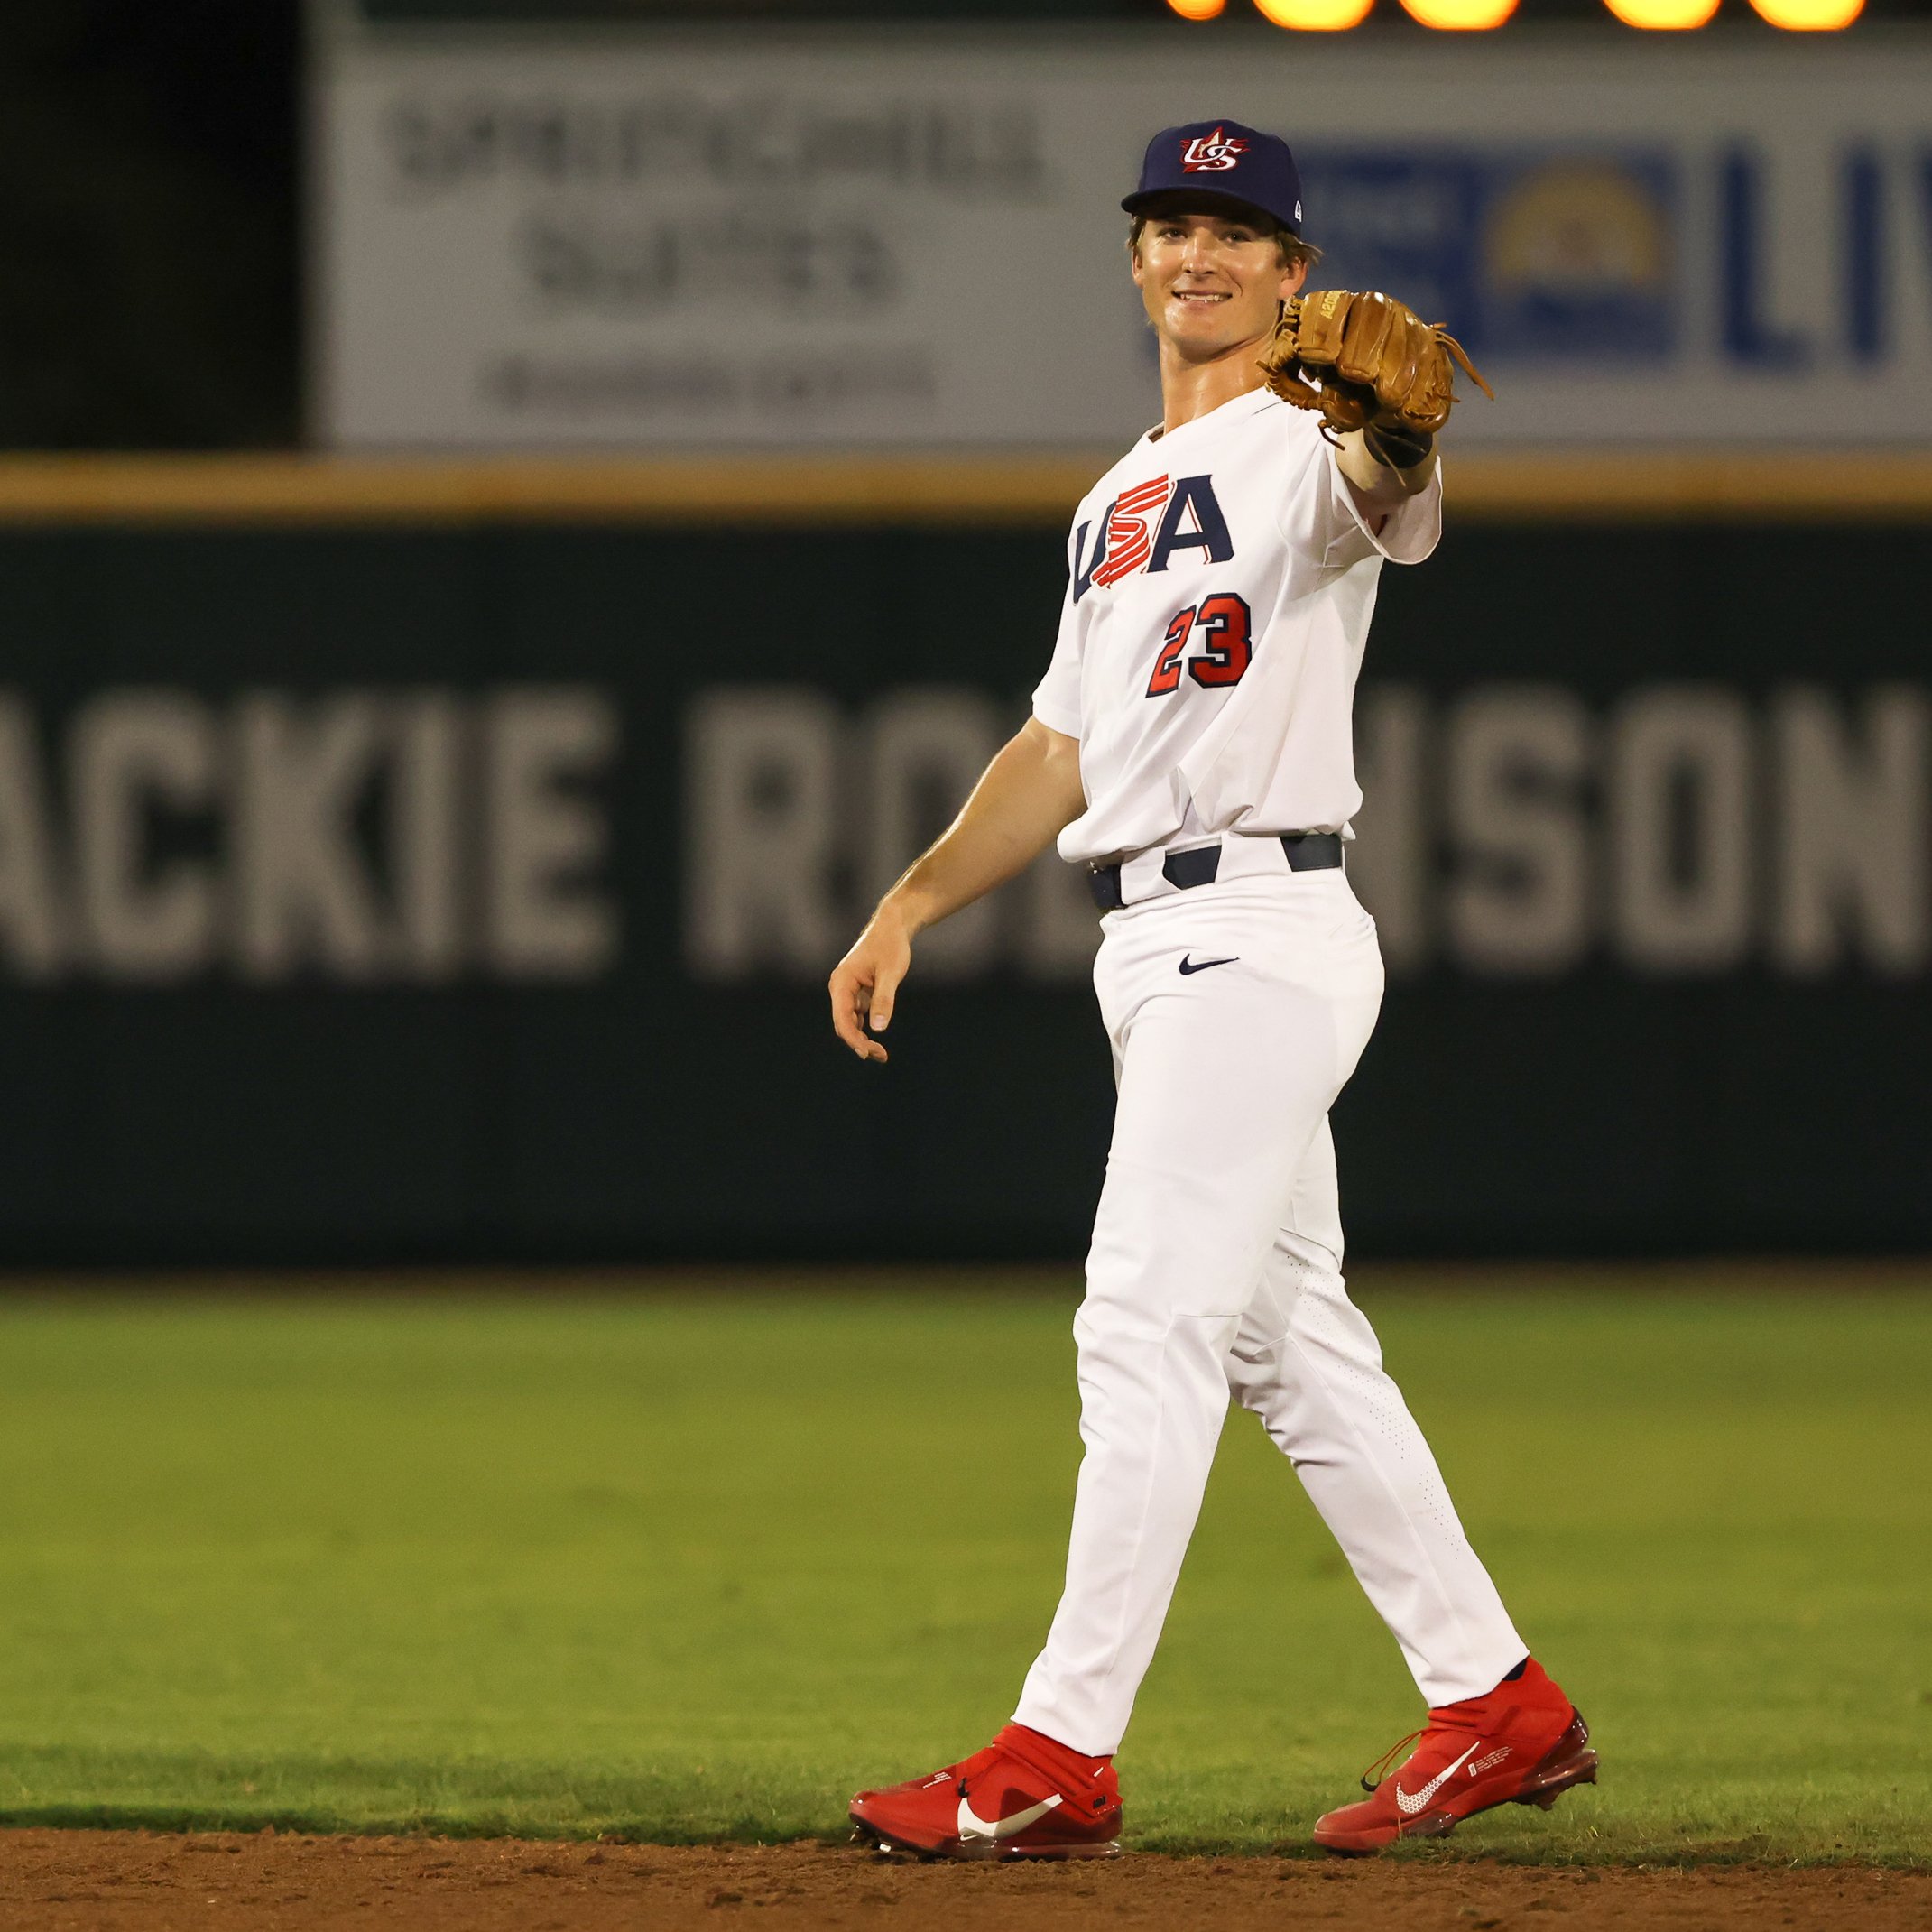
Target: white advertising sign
point(911, 239)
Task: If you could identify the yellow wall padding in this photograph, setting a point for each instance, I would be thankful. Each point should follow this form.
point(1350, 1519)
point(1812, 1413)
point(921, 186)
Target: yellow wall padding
point(1730, 486)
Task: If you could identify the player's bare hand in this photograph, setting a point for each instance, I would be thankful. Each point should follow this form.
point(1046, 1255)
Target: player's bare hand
point(865, 982)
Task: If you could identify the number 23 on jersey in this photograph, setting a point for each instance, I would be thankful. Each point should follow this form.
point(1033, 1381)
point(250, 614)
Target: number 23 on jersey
point(1222, 626)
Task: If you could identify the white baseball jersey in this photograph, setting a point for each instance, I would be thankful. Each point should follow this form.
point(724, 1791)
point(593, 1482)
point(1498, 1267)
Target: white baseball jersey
point(1220, 586)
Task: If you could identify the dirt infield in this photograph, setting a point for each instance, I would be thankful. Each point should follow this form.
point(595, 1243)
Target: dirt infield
point(62, 1880)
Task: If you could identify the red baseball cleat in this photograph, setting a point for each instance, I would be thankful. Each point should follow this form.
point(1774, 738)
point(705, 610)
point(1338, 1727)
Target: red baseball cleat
point(1522, 1744)
point(1022, 1797)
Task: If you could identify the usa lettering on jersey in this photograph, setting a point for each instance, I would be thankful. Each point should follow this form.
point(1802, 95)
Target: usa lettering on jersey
point(1143, 527)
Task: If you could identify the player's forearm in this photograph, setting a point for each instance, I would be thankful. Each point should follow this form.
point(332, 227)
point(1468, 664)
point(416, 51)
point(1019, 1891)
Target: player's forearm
point(1030, 791)
point(1386, 483)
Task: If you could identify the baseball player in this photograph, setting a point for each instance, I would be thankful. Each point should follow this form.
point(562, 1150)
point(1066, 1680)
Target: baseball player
point(1190, 745)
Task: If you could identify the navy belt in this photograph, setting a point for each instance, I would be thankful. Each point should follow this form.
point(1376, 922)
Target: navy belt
point(1307, 852)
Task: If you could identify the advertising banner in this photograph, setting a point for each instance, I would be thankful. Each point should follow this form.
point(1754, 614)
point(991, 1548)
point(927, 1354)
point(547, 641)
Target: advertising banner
point(469, 894)
point(675, 239)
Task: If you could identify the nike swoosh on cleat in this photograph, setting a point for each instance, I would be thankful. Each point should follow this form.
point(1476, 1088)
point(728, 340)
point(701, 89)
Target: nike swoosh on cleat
point(1409, 1806)
point(1201, 965)
point(972, 1825)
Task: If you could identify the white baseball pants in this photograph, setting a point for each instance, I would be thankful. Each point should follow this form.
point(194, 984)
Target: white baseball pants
point(1215, 1269)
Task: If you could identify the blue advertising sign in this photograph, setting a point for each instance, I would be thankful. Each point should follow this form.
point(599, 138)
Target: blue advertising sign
point(1546, 252)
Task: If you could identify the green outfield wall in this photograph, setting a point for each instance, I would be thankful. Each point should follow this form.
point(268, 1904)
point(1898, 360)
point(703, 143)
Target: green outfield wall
point(416, 888)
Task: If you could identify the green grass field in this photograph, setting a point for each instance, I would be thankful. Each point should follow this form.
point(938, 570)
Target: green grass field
point(695, 1564)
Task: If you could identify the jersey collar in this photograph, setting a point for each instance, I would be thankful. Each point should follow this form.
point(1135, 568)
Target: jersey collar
point(1249, 403)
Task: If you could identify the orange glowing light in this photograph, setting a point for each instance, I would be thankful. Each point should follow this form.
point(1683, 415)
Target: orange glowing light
point(1810, 16)
point(1460, 16)
point(1198, 9)
point(1668, 16)
point(1316, 16)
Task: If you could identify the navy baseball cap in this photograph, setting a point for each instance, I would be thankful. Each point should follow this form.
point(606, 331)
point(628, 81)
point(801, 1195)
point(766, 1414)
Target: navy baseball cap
point(1222, 161)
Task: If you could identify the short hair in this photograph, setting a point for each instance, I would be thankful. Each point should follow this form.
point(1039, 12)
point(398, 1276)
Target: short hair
point(1291, 247)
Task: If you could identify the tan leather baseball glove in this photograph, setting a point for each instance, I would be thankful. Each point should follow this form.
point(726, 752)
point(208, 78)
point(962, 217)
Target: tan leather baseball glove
point(1370, 362)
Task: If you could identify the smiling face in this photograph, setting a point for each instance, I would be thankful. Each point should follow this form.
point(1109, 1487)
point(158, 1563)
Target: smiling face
point(1211, 278)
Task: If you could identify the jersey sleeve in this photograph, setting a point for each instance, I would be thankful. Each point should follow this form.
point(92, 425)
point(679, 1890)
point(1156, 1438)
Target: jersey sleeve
point(1410, 531)
point(1056, 696)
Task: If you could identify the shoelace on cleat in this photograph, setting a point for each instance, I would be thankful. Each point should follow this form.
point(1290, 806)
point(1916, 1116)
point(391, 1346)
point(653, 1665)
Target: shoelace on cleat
point(1377, 1771)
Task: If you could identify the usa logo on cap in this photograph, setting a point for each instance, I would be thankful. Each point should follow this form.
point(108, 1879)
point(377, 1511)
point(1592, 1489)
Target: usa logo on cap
point(1220, 162)
point(1213, 153)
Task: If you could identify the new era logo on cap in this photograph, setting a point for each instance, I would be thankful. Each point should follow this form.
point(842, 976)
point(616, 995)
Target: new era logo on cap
point(1213, 153)
point(1222, 161)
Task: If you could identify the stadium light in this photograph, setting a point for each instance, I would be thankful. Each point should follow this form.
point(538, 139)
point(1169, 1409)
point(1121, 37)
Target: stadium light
point(1316, 16)
point(1460, 16)
point(1810, 16)
point(1198, 9)
point(1662, 16)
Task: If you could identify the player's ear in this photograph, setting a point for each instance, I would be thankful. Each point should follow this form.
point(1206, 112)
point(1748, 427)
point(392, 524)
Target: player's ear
point(1293, 277)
